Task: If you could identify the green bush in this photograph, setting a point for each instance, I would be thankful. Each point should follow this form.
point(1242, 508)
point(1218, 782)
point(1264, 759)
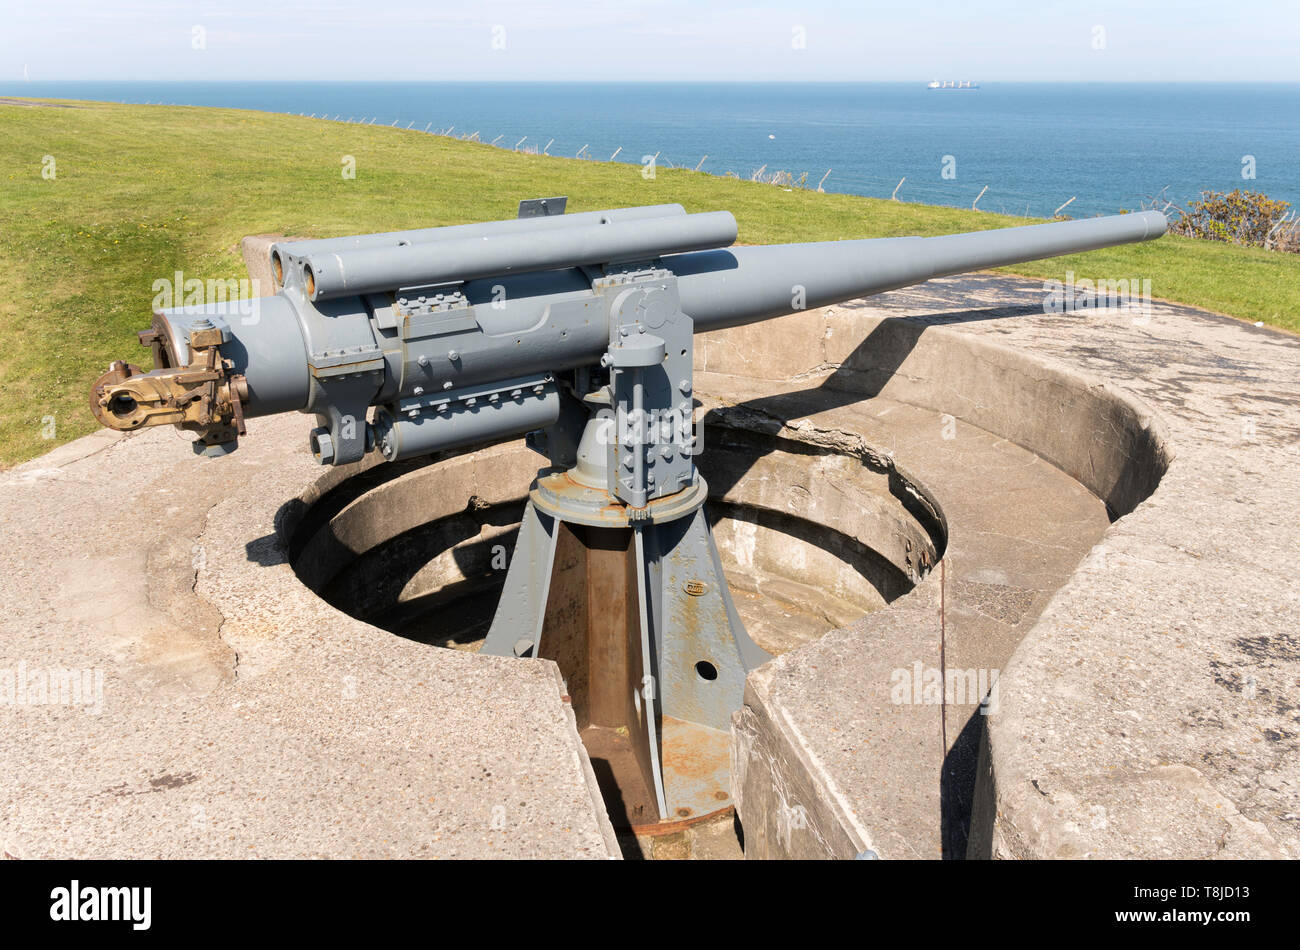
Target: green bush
point(1241, 217)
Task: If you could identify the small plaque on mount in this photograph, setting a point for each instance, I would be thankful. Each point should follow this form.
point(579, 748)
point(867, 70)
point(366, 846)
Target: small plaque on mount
point(542, 207)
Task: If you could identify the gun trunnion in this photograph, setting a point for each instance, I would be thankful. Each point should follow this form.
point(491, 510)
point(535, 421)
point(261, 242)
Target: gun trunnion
point(576, 329)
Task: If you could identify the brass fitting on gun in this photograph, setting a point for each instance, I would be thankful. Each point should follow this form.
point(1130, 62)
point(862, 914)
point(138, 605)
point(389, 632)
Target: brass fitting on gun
point(203, 396)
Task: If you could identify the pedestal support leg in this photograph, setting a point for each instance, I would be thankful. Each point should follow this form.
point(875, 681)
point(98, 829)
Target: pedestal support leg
point(654, 656)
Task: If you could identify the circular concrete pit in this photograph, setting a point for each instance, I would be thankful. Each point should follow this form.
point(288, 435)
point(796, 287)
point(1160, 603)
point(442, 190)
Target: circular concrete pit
point(1065, 504)
point(812, 538)
point(435, 576)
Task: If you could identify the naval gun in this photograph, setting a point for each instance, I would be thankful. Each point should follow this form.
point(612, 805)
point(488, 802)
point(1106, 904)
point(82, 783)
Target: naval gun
point(575, 329)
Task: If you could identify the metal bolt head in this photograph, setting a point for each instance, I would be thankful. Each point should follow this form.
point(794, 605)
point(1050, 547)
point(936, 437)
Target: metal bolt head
point(453, 355)
point(322, 446)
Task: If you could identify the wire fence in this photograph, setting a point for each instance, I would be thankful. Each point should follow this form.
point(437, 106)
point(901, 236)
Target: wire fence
point(1003, 201)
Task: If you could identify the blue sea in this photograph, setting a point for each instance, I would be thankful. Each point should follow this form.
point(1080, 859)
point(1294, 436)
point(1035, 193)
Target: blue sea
point(1032, 145)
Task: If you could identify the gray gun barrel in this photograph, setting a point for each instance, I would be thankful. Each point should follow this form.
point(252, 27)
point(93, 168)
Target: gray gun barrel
point(296, 250)
point(331, 274)
point(718, 288)
point(727, 288)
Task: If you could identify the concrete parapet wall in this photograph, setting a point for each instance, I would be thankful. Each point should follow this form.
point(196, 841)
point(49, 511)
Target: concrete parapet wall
point(1148, 709)
point(1094, 432)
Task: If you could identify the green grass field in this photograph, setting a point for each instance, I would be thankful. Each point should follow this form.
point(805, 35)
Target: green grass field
point(140, 192)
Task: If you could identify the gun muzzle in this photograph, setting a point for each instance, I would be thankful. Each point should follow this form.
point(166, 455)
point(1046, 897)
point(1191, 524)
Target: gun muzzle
point(740, 285)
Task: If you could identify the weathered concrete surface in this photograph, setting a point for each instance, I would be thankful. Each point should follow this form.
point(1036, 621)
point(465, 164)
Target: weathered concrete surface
point(1149, 709)
point(1152, 709)
point(240, 715)
point(841, 747)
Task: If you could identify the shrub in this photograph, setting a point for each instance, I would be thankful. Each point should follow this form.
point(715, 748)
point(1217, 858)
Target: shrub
point(1241, 217)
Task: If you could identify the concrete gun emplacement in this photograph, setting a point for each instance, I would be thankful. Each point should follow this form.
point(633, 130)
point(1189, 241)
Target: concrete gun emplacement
point(576, 329)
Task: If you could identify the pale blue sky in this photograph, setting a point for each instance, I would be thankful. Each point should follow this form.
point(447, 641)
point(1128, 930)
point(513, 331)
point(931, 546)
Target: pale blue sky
point(983, 40)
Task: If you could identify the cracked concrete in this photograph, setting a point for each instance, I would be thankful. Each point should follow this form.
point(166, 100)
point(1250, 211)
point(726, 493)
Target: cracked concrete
point(1147, 703)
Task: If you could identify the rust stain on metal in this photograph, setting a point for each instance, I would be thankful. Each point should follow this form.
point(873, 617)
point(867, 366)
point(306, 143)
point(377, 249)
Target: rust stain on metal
point(659, 828)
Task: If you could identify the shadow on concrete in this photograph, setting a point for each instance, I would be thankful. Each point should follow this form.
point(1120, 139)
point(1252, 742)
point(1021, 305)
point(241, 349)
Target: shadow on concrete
point(616, 809)
point(873, 363)
point(957, 787)
point(862, 376)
